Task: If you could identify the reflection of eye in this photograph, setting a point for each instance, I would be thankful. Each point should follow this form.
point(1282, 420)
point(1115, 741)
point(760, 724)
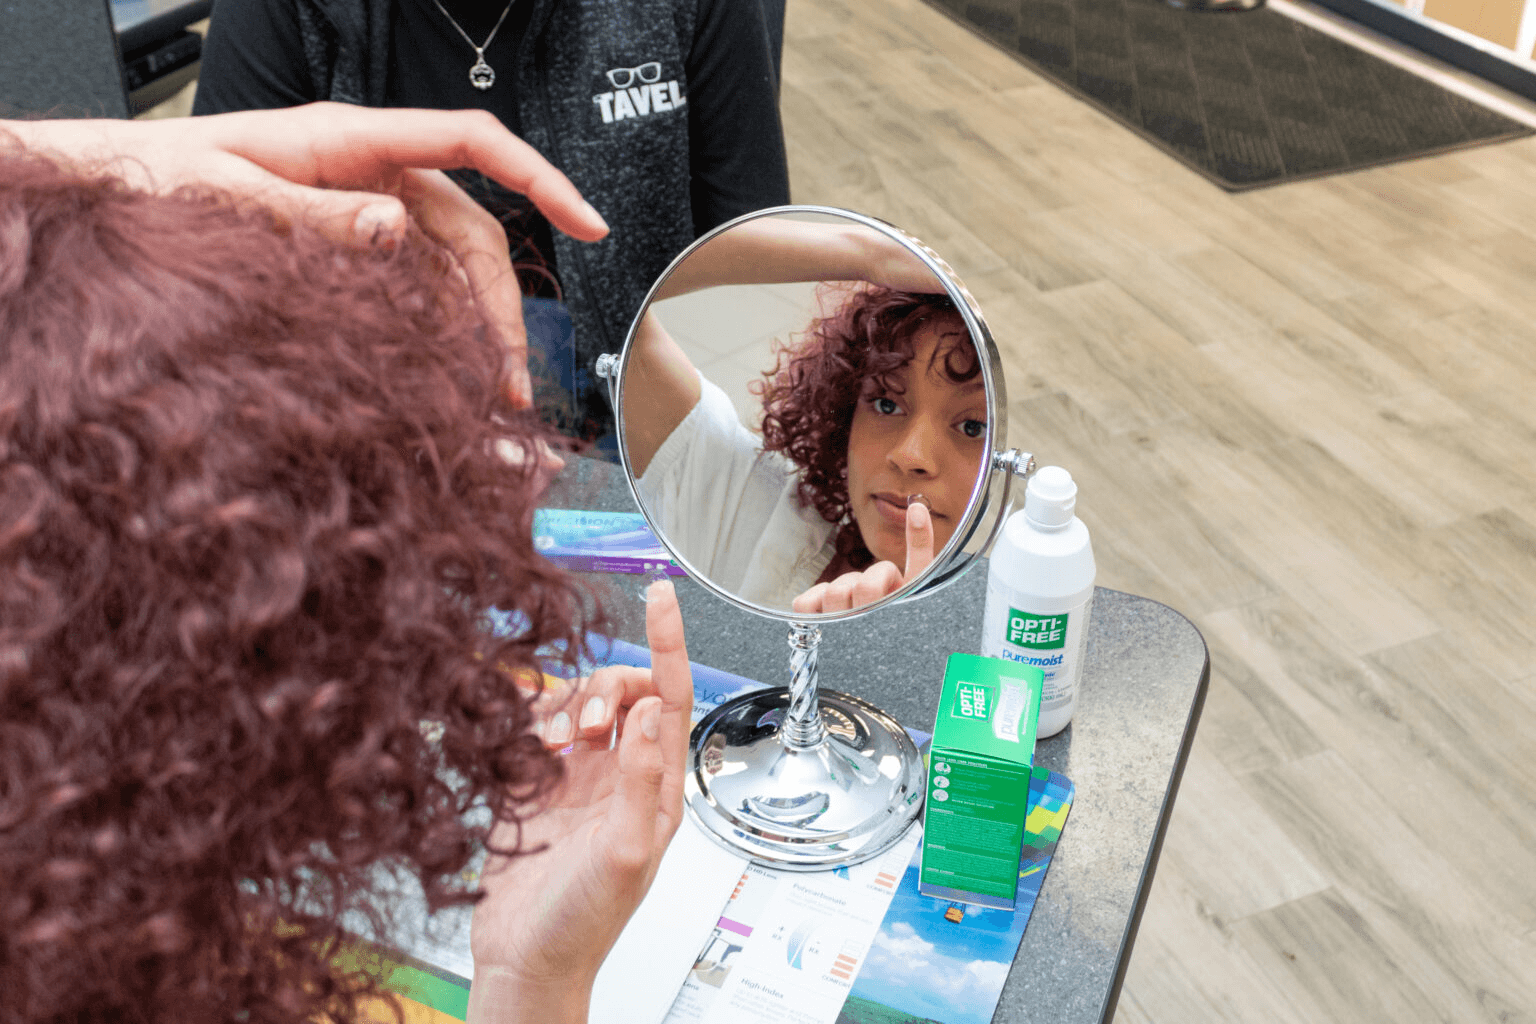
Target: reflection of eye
point(974, 428)
point(885, 405)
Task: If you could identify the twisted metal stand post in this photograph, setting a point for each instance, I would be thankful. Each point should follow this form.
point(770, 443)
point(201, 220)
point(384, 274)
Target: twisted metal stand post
point(803, 727)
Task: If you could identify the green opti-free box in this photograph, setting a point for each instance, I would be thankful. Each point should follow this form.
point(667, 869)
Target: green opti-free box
point(978, 780)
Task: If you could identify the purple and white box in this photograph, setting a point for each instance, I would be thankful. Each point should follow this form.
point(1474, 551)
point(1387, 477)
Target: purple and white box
point(585, 541)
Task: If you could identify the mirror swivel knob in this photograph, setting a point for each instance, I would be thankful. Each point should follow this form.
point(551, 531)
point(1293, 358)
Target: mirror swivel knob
point(1019, 463)
point(607, 367)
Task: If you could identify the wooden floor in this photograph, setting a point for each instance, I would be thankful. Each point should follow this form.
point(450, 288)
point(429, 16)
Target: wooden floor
point(1305, 417)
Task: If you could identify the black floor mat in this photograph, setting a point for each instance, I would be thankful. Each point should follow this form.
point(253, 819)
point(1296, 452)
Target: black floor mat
point(1247, 99)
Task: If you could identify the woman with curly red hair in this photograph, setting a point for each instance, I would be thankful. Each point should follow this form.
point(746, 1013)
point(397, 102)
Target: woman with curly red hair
point(873, 430)
point(257, 488)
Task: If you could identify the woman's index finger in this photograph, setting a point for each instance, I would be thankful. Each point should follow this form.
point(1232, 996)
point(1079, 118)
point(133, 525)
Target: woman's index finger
point(480, 141)
point(670, 671)
point(673, 677)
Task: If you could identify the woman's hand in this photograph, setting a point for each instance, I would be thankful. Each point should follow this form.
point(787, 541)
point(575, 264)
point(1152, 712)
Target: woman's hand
point(887, 263)
point(855, 589)
point(353, 173)
point(549, 918)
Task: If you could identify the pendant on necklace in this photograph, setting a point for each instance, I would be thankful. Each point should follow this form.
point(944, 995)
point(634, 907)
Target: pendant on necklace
point(482, 76)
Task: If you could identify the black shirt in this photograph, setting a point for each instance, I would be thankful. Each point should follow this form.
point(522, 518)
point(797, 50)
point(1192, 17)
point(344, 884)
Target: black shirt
point(253, 59)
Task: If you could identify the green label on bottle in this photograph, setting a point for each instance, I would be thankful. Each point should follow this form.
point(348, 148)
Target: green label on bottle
point(1037, 632)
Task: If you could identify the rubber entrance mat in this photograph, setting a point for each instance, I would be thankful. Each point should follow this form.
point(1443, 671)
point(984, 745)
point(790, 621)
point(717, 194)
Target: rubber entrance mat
point(1247, 99)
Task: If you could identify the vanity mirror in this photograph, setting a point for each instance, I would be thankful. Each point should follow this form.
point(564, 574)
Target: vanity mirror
point(809, 408)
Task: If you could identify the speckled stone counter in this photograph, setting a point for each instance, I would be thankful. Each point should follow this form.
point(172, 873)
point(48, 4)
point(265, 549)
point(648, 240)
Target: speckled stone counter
point(1143, 685)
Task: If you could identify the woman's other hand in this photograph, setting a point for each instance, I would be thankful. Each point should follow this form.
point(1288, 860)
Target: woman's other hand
point(855, 589)
point(550, 917)
point(353, 173)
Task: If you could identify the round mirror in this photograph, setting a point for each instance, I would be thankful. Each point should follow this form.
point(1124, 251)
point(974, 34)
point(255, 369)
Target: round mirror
point(808, 407)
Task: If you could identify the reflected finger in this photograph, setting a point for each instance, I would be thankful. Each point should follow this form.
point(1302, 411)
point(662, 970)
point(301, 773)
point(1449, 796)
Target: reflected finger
point(875, 582)
point(919, 539)
point(839, 596)
point(809, 603)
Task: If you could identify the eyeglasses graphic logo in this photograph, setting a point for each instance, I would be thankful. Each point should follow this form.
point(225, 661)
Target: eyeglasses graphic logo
point(623, 78)
point(638, 92)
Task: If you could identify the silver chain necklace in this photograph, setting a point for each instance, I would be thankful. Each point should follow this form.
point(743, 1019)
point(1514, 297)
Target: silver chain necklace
point(481, 75)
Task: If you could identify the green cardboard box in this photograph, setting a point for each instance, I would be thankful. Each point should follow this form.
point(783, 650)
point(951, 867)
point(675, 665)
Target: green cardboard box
point(978, 780)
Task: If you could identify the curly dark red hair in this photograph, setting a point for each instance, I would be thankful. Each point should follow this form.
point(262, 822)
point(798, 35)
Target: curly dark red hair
point(251, 512)
point(810, 395)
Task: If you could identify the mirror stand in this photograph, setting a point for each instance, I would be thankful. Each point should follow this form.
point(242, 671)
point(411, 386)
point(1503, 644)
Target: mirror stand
point(796, 777)
point(803, 779)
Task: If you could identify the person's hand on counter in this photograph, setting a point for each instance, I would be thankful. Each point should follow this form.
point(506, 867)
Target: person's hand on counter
point(550, 916)
point(353, 173)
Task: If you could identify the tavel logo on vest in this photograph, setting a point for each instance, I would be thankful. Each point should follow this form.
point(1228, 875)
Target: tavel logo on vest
point(638, 92)
point(1042, 632)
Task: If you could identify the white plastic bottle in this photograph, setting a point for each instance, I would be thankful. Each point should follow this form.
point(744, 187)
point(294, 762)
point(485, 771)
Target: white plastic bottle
point(1040, 593)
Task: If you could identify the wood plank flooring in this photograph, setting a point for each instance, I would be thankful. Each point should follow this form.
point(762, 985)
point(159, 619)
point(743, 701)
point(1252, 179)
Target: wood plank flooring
point(1306, 417)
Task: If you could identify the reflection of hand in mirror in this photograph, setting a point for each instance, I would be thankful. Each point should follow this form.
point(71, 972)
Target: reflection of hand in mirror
point(776, 250)
point(854, 589)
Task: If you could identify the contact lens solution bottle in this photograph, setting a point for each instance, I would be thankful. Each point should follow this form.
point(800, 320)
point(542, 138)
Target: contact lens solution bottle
point(1040, 593)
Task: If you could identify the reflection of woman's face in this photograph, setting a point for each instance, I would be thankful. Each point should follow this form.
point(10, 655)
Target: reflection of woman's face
point(927, 438)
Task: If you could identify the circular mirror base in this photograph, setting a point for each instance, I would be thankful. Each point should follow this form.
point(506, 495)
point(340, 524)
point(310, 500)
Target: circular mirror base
point(843, 800)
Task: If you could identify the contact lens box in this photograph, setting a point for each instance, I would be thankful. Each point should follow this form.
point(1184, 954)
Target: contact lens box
point(600, 542)
point(978, 780)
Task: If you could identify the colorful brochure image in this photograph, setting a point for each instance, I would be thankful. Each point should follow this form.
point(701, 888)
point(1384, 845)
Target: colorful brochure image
point(941, 962)
point(614, 542)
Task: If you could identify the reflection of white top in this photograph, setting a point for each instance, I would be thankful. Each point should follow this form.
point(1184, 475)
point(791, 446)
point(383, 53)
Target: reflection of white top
point(731, 509)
